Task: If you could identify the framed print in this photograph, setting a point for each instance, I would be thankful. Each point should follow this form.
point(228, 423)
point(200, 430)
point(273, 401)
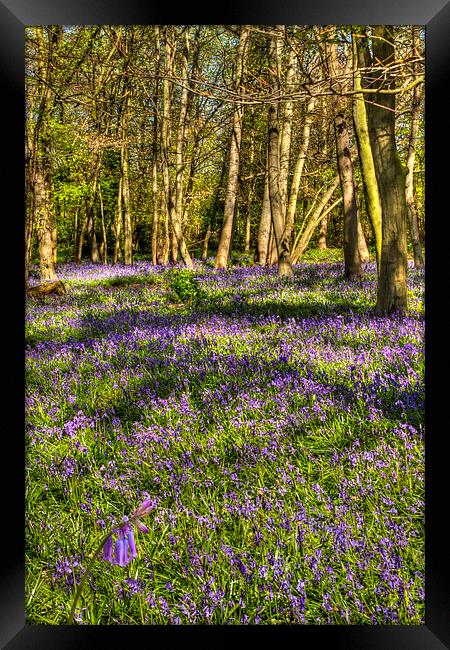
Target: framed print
point(225, 400)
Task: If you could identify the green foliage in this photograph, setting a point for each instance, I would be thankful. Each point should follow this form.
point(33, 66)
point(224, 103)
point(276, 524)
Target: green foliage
point(316, 255)
point(185, 285)
point(242, 259)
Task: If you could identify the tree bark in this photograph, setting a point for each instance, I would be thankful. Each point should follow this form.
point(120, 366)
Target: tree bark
point(319, 213)
point(248, 216)
point(286, 131)
point(363, 251)
point(372, 194)
point(409, 180)
point(127, 226)
point(105, 239)
point(40, 155)
point(223, 251)
point(47, 288)
point(180, 155)
point(322, 241)
point(262, 244)
point(118, 223)
point(392, 296)
point(299, 166)
point(175, 218)
point(155, 197)
point(352, 259)
point(276, 205)
point(42, 216)
point(90, 212)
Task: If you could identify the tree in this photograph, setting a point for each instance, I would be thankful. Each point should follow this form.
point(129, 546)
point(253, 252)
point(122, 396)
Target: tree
point(273, 158)
point(352, 259)
point(409, 176)
point(372, 194)
point(172, 207)
point(299, 166)
point(392, 295)
point(41, 110)
point(223, 250)
point(173, 138)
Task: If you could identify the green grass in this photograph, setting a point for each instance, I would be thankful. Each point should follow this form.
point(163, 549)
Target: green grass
point(278, 426)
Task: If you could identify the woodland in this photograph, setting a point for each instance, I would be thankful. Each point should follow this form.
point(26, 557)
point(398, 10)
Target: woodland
point(224, 324)
point(180, 142)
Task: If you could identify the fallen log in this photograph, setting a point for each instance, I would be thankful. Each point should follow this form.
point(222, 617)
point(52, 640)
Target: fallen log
point(47, 288)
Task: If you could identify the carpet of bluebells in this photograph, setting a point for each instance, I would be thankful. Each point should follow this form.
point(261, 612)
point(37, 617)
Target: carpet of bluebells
point(276, 426)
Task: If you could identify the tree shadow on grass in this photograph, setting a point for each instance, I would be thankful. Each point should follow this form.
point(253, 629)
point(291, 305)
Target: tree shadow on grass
point(236, 307)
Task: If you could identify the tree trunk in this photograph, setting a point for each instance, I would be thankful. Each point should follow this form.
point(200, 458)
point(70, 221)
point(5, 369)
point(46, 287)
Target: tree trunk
point(169, 53)
point(155, 193)
point(372, 194)
point(175, 219)
point(286, 130)
point(248, 223)
point(180, 155)
point(127, 227)
point(90, 211)
point(124, 169)
point(47, 288)
point(75, 234)
point(124, 151)
point(276, 206)
point(262, 243)
point(30, 154)
point(409, 181)
point(165, 239)
point(212, 217)
point(223, 251)
point(272, 250)
point(118, 225)
point(155, 204)
point(79, 250)
point(363, 251)
point(322, 241)
point(105, 239)
point(43, 216)
point(319, 213)
point(248, 216)
point(299, 166)
point(392, 296)
point(352, 260)
point(90, 228)
point(42, 208)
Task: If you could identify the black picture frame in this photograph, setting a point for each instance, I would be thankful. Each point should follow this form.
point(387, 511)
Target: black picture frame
point(435, 16)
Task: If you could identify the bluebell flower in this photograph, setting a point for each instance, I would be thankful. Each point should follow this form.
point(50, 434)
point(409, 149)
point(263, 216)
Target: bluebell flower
point(125, 544)
point(107, 549)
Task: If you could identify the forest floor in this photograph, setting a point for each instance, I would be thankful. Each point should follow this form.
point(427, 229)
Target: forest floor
point(276, 426)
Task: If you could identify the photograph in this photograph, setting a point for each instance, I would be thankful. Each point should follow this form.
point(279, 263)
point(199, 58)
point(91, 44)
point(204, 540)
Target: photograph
point(222, 252)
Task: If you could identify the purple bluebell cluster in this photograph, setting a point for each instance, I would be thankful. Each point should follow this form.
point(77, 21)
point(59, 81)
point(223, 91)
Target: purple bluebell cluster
point(275, 429)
